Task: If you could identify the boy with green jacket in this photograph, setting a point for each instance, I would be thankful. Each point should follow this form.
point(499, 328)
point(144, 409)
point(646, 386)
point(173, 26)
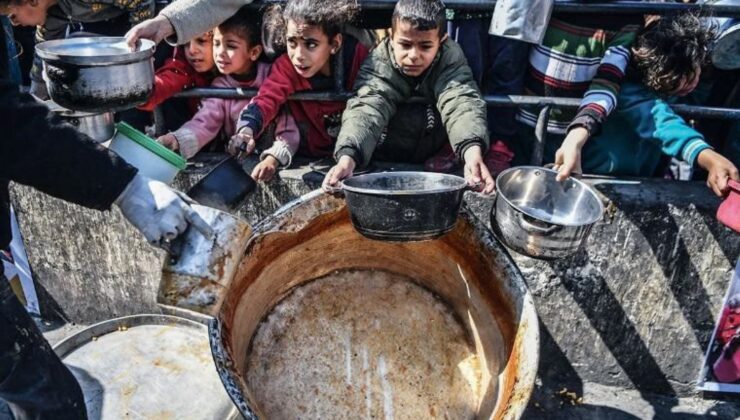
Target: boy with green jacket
point(417, 60)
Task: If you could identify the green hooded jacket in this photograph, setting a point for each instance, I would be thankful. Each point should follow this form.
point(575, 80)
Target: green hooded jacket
point(381, 86)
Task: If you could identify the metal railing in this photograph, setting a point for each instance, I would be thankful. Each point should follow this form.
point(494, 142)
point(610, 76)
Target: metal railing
point(543, 103)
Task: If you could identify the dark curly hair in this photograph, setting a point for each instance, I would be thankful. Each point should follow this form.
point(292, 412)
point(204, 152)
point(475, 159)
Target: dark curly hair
point(329, 15)
point(670, 49)
point(245, 23)
point(423, 15)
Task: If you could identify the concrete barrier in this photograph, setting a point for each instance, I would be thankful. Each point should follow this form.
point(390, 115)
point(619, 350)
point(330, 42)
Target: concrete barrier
point(635, 308)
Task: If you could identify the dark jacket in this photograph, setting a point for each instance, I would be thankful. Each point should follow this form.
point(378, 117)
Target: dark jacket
point(381, 86)
point(41, 151)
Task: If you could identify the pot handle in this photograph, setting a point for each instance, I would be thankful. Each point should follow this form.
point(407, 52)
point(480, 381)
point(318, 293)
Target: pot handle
point(338, 190)
point(531, 228)
point(576, 175)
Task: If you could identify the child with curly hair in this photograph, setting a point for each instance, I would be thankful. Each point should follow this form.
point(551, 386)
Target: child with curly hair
point(667, 59)
point(314, 40)
point(236, 50)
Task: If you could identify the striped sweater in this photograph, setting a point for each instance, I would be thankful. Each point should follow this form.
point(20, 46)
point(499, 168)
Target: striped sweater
point(578, 62)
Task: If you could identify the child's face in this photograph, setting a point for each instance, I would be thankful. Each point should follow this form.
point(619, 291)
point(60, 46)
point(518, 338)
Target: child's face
point(233, 54)
point(310, 49)
point(32, 13)
point(199, 52)
point(414, 50)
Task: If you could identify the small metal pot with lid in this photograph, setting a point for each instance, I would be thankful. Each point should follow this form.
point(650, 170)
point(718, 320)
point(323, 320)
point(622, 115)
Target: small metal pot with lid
point(538, 216)
point(97, 74)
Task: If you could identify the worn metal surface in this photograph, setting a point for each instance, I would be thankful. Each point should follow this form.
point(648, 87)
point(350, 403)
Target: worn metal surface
point(146, 366)
point(313, 236)
point(204, 267)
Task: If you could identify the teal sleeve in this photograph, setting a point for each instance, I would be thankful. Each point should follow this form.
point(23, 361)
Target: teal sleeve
point(677, 138)
point(653, 119)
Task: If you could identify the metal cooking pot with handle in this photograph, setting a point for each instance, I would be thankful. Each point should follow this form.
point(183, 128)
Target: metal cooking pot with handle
point(538, 216)
point(97, 73)
point(404, 206)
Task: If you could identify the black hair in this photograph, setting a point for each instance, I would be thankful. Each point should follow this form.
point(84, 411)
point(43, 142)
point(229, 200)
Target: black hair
point(423, 15)
point(670, 49)
point(329, 15)
point(273, 31)
point(6, 4)
point(245, 23)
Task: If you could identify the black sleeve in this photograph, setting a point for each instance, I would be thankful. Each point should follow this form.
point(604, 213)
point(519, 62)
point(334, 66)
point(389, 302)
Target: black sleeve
point(41, 151)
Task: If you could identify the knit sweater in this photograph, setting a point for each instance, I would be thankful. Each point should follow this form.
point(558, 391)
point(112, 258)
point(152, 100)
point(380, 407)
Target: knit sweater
point(578, 62)
point(218, 115)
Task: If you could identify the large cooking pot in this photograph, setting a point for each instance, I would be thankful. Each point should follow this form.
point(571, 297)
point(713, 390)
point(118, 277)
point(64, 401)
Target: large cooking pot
point(538, 216)
point(404, 206)
point(97, 74)
point(312, 237)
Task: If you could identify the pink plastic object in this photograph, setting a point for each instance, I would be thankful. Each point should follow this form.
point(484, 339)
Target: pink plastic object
point(729, 211)
point(727, 370)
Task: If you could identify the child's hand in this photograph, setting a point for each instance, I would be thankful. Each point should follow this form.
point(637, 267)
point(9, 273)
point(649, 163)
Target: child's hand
point(476, 172)
point(568, 156)
point(244, 136)
point(720, 171)
point(343, 169)
point(265, 169)
point(169, 141)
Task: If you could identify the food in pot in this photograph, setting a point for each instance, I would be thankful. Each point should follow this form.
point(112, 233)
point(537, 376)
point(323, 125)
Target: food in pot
point(363, 343)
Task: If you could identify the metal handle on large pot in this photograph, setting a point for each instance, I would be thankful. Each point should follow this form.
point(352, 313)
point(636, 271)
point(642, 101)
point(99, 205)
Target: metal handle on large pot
point(532, 228)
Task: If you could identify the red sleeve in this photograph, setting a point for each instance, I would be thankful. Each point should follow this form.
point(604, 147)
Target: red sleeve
point(361, 53)
point(282, 82)
point(173, 77)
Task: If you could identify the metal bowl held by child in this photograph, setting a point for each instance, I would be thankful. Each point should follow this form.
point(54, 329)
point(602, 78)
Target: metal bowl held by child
point(538, 216)
point(404, 206)
point(97, 73)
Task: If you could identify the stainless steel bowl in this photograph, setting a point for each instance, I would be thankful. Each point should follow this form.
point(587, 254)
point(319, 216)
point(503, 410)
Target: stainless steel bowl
point(404, 206)
point(98, 126)
point(536, 215)
point(97, 74)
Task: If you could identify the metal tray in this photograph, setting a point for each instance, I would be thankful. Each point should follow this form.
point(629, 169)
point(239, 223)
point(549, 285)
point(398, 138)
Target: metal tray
point(146, 366)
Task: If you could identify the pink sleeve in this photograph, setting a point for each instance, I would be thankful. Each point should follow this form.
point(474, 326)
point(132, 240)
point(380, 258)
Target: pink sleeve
point(203, 127)
point(287, 138)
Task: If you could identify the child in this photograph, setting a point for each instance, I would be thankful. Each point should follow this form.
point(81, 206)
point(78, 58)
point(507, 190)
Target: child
point(236, 49)
point(191, 66)
point(56, 19)
point(578, 58)
point(312, 38)
point(417, 60)
point(666, 64)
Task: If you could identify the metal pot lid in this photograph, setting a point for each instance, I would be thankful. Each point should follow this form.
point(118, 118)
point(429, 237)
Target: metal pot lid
point(94, 51)
point(534, 191)
point(403, 183)
point(146, 366)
